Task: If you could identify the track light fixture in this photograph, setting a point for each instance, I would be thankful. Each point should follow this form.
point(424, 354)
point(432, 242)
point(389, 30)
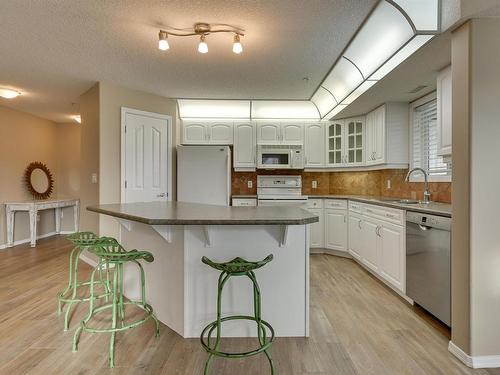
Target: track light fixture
point(202, 30)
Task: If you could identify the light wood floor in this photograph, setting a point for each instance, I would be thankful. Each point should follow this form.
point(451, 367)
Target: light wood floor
point(357, 327)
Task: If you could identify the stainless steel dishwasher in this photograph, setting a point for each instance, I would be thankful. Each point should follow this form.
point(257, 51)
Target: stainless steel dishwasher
point(428, 239)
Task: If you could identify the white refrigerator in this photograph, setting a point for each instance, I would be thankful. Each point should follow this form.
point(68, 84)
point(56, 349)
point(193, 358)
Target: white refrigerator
point(204, 174)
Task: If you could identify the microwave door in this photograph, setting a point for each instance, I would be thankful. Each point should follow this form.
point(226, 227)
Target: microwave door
point(275, 159)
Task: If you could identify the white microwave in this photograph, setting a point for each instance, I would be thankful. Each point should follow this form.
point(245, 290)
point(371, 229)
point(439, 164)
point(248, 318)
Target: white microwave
point(280, 157)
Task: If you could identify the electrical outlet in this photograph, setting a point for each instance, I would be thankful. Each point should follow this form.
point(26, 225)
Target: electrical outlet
point(389, 184)
point(93, 178)
point(315, 184)
point(250, 184)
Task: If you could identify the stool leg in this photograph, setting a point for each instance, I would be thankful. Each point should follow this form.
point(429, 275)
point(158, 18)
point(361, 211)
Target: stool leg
point(75, 287)
point(223, 277)
point(261, 330)
point(121, 306)
point(143, 297)
point(116, 277)
point(78, 332)
point(108, 282)
point(70, 281)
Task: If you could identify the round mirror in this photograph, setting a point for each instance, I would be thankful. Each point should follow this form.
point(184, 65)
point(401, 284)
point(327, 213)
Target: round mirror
point(39, 180)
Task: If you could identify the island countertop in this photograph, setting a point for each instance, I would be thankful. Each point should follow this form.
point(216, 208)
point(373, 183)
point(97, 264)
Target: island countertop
point(182, 213)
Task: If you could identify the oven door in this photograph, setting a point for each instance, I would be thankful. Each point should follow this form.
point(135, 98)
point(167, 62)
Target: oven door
point(263, 202)
point(274, 159)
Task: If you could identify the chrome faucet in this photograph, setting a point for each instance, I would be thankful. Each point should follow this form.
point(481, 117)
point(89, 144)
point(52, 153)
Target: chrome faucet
point(427, 193)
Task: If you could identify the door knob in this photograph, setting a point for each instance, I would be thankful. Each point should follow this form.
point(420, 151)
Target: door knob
point(161, 195)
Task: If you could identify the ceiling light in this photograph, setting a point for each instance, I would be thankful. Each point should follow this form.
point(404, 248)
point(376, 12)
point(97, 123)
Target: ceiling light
point(202, 29)
point(203, 46)
point(237, 47)
point(77, 118)
point(163, 42)
point(8, 93)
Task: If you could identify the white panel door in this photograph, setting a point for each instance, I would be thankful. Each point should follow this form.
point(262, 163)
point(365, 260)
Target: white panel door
point(292, 133)
point(392, 257)
point(370, 245)
point(315, 145)
point(268, 133)
point(220, 133)
point(145, 157)
point(336, 229)
point(317, 233)
point(245, 150)
point(194, 133)
point(355, 236)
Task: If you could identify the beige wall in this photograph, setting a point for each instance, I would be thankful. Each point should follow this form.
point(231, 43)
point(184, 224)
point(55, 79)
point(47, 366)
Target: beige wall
point(89, 146)
point(112, 98)
point(484, 186)
point(25, 138)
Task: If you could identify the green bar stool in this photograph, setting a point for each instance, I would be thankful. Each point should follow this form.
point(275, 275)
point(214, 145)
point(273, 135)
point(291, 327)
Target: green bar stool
point(237, 267)
point(109, 250)
point(81, 241)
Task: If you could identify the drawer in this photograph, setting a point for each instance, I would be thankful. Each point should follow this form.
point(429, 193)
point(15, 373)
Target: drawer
point(356, 207)
point(244, 202)
point(390, 215)
point(340, 204)
point(314, 203)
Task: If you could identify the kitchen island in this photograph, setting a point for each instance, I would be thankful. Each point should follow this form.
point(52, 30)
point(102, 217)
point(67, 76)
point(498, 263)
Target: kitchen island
point(183, 290)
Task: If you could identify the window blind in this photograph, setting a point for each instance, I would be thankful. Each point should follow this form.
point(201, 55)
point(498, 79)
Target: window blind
point(425, 141)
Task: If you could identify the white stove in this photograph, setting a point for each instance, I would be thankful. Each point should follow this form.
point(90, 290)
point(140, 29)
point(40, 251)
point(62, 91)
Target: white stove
point(280, 191)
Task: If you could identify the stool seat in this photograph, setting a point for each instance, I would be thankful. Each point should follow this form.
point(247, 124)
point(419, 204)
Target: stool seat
point(237, 265)
point(110, 250)
point(83, 238)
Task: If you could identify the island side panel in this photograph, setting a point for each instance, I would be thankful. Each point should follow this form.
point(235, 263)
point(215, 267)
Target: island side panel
point(164, 276)
point(283, 282)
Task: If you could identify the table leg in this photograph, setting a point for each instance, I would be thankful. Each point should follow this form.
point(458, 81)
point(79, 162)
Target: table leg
point(33, 215)
point(57, 212)
point(10, 226)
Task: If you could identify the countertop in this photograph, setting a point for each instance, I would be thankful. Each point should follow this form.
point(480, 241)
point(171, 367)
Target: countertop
point(434, 208)
point(182, 213)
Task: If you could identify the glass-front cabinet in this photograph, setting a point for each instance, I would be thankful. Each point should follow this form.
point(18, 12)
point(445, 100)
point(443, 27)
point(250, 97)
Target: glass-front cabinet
point(345, 142)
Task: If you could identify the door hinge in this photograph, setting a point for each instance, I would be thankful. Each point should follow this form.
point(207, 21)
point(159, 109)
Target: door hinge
point(125, 128)
point(125, 184)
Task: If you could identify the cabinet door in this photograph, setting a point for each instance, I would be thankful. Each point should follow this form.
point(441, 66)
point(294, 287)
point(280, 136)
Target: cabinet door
point(317, 234)
point(220, 133)
point(355, 236)
point(335, 144)
point(379, 136)
point(354, 143)
point(392, 254)
point(444, 111)
point(336, 229)
point(292, 134)
point(370, 244)
point(268, 133)
point(370, 147)
point(244, 152)
point(194, 133)
point(315, 145)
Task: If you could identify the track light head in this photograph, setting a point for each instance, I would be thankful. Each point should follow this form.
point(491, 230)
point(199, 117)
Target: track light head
point(202, 46)
point(163, 42)
point(237, 47)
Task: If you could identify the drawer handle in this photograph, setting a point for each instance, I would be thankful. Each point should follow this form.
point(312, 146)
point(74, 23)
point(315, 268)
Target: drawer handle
point(391, 216)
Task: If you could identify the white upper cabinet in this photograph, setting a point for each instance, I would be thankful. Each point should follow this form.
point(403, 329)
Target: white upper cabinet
point(220, 133)
point(444, 111)
point(375, 136)
point(292, 133)
point(268, 133)
point(207, 132)
point(194, 133)
point(280, 133)
point(314, 145)
point(244, 152)
point(387, 135)
point(345, 142)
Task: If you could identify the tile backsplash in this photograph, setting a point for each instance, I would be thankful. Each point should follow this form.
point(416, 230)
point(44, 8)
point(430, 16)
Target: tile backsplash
point(351, 183)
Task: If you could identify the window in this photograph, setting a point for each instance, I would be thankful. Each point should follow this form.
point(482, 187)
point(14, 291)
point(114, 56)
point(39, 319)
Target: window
point(424, 141)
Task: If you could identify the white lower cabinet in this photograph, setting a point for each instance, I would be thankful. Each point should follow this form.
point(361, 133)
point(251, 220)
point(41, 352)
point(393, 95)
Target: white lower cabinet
point(355, 239)
point(392, 254)
point(317, 233)
point(370, 244)
point(336, 229)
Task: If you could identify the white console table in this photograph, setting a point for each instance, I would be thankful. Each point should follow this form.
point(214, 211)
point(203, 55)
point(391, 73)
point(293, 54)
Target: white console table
point(33, 207)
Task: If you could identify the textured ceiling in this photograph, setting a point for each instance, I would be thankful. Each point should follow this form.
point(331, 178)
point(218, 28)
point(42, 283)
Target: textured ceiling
point(54, 50)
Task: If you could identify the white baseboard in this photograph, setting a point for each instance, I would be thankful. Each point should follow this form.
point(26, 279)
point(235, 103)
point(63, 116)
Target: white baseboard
point(480, 361)
point(28, 240)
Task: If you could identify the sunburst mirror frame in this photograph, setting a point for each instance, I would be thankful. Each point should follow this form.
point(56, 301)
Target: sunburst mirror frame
point(27, 180)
